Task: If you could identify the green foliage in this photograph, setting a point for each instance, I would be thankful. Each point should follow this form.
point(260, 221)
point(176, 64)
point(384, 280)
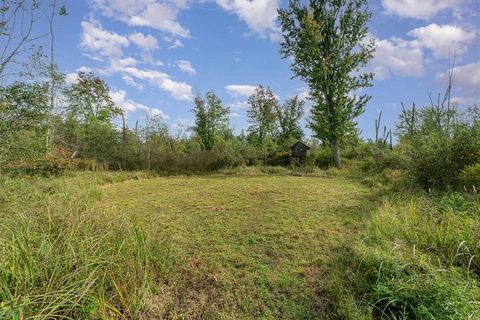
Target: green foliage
point(211, 118)
point(470, 177)
point(437, 158)
point(326, 41)
point(23, 121)
point(90, 101)
point(61, 256)
point(322, 157)
point(262, 114)
point(289, 115)
point(418, 260)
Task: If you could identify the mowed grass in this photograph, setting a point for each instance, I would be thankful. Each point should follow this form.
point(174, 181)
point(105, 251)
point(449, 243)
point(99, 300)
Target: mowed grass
point(243, 247)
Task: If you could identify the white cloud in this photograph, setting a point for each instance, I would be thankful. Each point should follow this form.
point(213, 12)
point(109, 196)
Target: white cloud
point(399, 57)
point(181, 126)
point(120, 63)
point(237, 90)
point(186, 67)
point(160, 15)
point(407, 57)
point(120, 99)
point(147, 43)
point(420, 9)
point(72, 77)
point(466, 81)
point(107, 44)
point(179, 90)
point(238, 105)
point(304, 94)
point(259, 15)
point(443, 40)
point(176, 44)
point(131, 82)
point(100, 42)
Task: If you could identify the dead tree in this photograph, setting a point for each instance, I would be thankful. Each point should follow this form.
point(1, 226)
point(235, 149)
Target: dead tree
point(17, 21)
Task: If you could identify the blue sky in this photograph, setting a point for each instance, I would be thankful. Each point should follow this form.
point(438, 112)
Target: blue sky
point(157, 54)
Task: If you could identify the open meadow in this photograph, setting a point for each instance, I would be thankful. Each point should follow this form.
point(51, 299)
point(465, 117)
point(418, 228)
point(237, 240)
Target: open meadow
point(259, 246)
point(239, 159)
point(245, 247)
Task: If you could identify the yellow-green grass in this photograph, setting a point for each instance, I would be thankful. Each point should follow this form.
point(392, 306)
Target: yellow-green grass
point(243, 247)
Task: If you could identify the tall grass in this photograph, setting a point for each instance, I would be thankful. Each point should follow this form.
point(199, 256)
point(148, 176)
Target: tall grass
point(420, 259)
point(61, 256)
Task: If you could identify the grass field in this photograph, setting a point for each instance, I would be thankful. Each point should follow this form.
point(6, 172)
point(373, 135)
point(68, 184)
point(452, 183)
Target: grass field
point(243, 247)
point(113, 245)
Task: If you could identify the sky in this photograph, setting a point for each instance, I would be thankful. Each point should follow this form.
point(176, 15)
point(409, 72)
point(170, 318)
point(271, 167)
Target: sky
point(156, 55)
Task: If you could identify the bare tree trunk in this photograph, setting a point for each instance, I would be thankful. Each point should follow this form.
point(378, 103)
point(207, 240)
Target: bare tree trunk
point(336, 154)
point(125, 142)
point(148, 142)
point(48, 138)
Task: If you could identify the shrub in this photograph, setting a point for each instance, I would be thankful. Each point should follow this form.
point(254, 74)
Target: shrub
point(323, 157)
point(470, 176)
point(437, 159)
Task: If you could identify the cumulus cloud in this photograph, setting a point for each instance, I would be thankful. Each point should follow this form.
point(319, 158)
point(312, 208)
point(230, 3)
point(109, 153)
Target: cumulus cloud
point(443, 40)
point(238, 105)
point(131, 82)
point(179, 90)
point(100, 42)
point(72, 77)
point(107, 44)
point(186, 67)
point(160, 15)
point(396, 56)
point(420, 9)
point(146, 43)
point(259, 15)
point(466, 81)
point(120, 99)
point(238, 90)
point(399, 57)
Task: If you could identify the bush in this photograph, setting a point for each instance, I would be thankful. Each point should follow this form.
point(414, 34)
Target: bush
point(323, 157)
point(195, 163)
point(470, 177)
point(437, 159)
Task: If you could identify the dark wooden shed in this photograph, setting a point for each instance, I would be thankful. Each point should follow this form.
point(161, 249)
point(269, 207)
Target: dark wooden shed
point(299, 150)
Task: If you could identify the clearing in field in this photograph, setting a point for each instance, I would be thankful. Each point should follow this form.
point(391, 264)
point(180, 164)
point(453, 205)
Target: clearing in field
point(243, 247)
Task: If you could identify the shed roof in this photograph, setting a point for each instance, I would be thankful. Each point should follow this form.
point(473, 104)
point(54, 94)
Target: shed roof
point(300, 142)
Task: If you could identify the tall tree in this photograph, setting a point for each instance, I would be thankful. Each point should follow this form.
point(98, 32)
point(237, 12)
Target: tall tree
point(262, 116)
point(89, 99)
point(327, 41)
point(289, 115)
point(211, 117)
point(23, 113)
point(90, 110)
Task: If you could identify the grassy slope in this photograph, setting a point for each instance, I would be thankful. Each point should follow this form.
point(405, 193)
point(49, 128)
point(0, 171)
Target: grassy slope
point(243, 247)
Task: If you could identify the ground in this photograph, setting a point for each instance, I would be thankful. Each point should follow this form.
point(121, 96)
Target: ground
point(245, 247)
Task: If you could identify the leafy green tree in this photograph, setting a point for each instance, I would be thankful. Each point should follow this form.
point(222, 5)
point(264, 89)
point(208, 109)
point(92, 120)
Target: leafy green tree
point(23, 120)
point(211, 118)
point(327, 41)
point(289, 115)
point(90, 110)
point(89, 99)
point(262, 117)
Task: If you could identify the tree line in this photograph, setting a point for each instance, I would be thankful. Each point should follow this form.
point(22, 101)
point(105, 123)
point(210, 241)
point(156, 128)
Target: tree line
point(47, 125)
